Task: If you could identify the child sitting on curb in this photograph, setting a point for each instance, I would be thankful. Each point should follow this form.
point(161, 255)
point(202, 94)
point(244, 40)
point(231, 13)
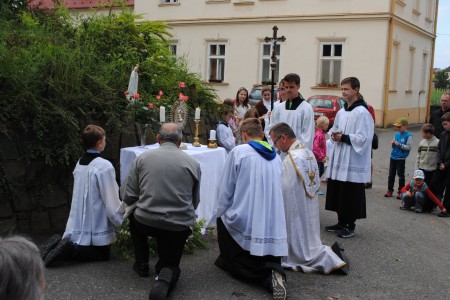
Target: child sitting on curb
point(416, 193)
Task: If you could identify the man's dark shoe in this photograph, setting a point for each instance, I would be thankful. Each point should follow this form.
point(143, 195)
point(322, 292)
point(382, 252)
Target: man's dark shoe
point(443, 214)
point(47, 247)
point(58, 253)
point(340, 253)
point(418, 210)
point(143, 270)
point(161, 288)
point(333, 228)
point(388, 194)
point(279, 286)
point(346, 232)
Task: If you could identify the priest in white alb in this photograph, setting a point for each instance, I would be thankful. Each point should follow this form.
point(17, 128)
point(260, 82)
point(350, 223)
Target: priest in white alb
point(251, 225)
point(295, 112)
point(349, 164)
point(300, 183)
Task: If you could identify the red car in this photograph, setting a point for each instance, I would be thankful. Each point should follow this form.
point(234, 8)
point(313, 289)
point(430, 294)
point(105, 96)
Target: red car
point(326, 105)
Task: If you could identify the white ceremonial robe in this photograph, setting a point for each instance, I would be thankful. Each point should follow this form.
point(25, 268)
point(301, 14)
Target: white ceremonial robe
point(300, 120)
point(225, 137)
point(352, 162)
point(250, 202)
point(301, 205)
point(95, 200)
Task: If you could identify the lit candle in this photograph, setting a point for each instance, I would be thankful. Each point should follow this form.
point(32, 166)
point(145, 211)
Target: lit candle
point(197, 113)
point(162, 114)
point(212, 135)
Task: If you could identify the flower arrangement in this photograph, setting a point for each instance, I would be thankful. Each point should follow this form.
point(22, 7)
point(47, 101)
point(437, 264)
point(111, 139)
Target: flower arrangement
point(145, 111)
point(142, 110)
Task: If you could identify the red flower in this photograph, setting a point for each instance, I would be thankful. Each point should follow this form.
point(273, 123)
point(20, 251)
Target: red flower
point(183, 97)
point(158, 97)
point(182, 84)
point(136, 96)
point(125, 92)
point(160, 92)
point(150, 105)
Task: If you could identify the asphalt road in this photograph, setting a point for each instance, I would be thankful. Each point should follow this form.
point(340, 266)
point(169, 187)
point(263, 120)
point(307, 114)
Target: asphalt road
point(395, 255)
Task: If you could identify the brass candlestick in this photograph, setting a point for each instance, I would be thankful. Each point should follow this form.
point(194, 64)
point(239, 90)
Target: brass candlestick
point(212, 144)
point(196, 143)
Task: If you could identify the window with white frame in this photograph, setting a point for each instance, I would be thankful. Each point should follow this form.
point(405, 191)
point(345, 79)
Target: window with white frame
point(330, 63)
point(265, 70)
point(173, 48)
point(216, 62)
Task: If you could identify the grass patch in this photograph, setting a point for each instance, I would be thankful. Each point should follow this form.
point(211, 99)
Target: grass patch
point(436, 96)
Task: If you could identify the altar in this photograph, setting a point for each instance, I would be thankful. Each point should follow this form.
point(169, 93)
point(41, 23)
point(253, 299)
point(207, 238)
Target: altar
point(212, 162)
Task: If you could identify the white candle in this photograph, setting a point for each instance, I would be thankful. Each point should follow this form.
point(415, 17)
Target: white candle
point(212, 135)
point(162, 114)
point(197, 113)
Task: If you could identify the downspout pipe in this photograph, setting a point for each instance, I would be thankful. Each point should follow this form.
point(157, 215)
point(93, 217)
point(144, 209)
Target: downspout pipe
point(388, 63)
point(430, 81)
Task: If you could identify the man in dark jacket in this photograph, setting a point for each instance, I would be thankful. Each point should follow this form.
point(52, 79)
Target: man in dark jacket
point(435, 116)
point(441, 177)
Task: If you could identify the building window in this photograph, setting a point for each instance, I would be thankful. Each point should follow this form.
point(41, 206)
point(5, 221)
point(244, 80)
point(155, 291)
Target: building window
point(330, 63)
point(216, 62)
point(173, 48)
point(169, 1)
point(266, 53)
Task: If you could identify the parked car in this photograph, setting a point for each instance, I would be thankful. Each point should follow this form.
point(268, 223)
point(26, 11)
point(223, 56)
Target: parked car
point(255, 95)
point(326, 105)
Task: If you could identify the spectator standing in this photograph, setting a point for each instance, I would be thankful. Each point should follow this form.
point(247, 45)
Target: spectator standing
point(435, 116)
point(427, 154)
point(441, 177)
point(242, 105)
point(165, 183)
point(401, 146)
point(320, 144)
point(349, 164)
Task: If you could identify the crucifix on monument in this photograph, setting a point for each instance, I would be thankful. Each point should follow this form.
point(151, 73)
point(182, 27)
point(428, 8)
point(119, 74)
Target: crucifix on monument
point(273, 64)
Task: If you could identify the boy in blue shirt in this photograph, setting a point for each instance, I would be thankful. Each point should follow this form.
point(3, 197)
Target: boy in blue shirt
point(401, 146)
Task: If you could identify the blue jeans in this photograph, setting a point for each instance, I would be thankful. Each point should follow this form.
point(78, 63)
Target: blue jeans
point(418, 200)
point(396, 166)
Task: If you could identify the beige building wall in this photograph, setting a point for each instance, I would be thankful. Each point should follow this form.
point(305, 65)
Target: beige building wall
point(390, 53)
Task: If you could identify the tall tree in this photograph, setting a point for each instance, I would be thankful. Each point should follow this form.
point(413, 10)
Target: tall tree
point(441, 80)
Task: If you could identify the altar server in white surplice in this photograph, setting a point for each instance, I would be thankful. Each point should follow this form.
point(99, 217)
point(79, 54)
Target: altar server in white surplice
point(95, 198)
point(295, 112)
point(300, 183)
point(349, 164)
point(251, 224)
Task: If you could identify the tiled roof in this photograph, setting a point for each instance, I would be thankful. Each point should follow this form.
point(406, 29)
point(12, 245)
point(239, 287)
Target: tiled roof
point(73, 4)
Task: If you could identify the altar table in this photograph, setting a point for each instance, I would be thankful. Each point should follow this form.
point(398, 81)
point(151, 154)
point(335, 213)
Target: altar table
point(212, 162)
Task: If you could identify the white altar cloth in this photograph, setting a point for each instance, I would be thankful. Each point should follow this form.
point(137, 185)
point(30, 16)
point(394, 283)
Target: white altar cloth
point(212, 162)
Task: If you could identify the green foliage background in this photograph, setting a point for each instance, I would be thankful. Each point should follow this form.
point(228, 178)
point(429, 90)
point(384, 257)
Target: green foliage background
point(59, 73)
